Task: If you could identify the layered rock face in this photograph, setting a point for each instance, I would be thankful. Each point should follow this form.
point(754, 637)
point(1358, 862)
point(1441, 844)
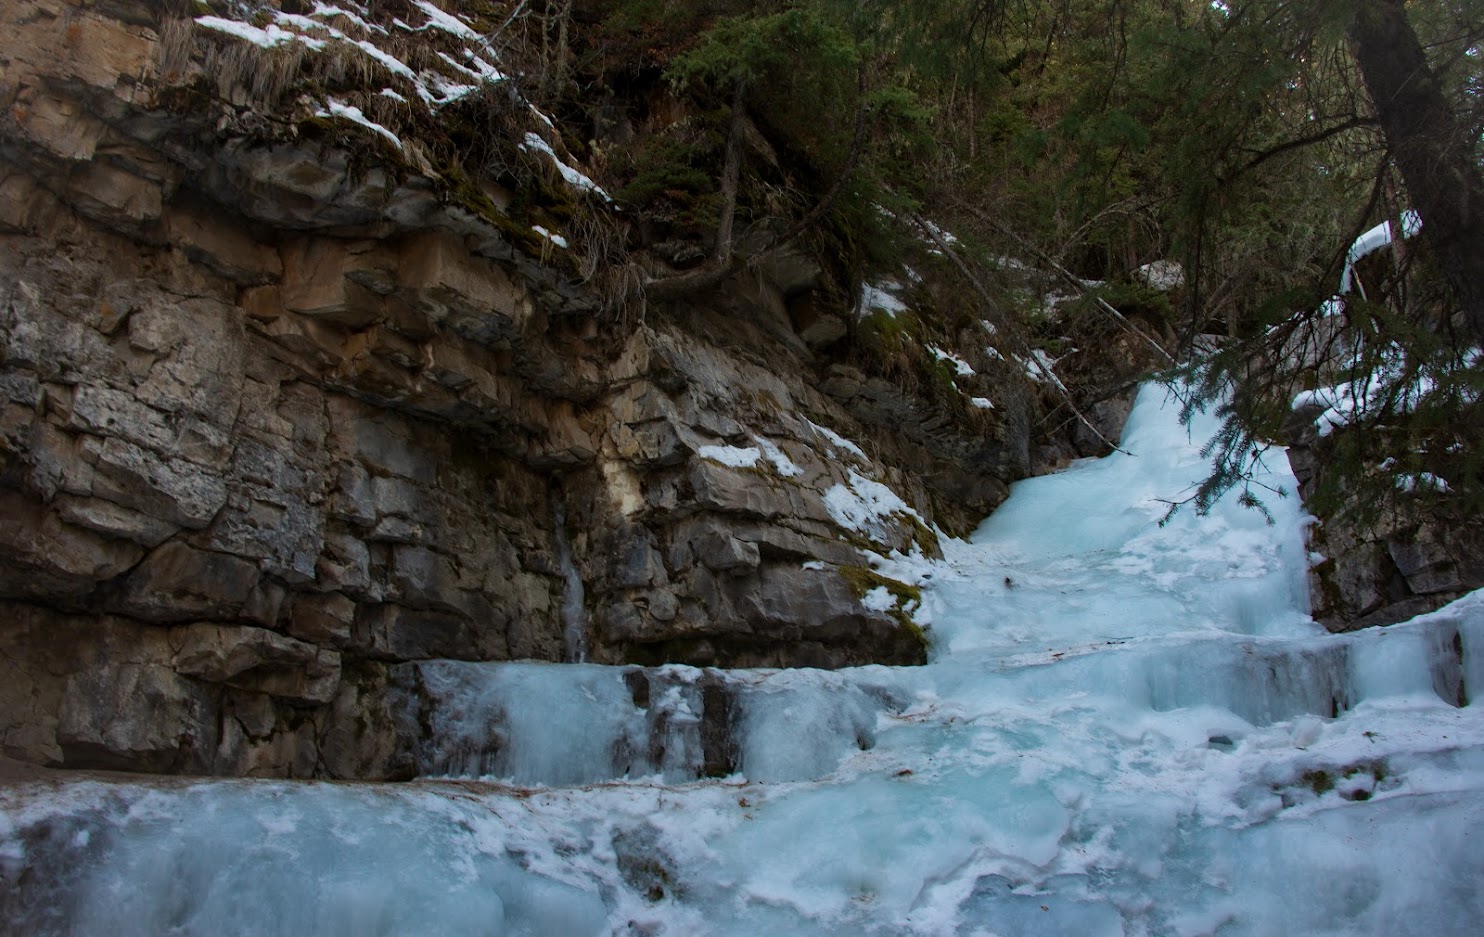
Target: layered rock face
point(278, 417)
point(1399, 567)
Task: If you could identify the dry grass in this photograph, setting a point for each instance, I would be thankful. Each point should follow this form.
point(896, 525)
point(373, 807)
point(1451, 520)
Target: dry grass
point(248, 75)
point(177, 45)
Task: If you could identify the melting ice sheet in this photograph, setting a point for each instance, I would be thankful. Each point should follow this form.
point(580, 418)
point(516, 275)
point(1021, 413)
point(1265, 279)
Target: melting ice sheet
point(1125, 730)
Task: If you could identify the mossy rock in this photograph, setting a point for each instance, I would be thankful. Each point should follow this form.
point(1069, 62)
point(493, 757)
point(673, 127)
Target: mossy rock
point(925, 538)
point(863, 580)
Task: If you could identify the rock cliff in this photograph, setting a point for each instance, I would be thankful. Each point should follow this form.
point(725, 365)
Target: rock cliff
point(286, 406)
point(1403, 563)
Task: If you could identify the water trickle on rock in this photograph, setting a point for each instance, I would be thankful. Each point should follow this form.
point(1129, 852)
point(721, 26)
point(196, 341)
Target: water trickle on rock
point(574, 609)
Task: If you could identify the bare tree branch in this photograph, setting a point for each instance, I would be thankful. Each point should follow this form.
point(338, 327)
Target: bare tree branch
point(721, 264)
point(1300, 142)
point(1073, 281)
point(1022, 350)
point(813, 216)
point(724, 262)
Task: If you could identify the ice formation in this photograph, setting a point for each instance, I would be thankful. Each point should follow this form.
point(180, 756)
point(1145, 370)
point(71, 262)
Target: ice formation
point(1126, 729)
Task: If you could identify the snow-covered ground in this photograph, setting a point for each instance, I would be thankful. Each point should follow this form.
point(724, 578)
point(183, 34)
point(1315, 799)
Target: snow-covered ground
point(1125, 730)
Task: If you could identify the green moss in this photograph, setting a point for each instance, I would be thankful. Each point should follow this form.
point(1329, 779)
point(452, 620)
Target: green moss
point(922, 535)
point(668, 168)
point(888, 333)
point(863, 579)
point(1319, 781)
point(941, 376)
point(860, 541)
point(1376, 769)
point(914, 630)
point(1323, 780)
point(926, 540)
point(462, 190)
point(655, 878)
point(546, 193)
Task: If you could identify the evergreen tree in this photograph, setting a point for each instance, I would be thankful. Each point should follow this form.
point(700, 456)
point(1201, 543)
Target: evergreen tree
point(1438, 161)
point(1400, 359)
point(1250, 140)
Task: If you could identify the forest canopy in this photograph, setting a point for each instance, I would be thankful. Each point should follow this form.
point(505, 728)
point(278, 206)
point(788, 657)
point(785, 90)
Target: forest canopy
point(1245, 143)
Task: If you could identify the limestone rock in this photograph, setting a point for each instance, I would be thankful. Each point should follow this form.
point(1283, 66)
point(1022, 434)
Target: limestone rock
point(729, 490)
point(717, 549)
point(319, 281)
point(635, 561)
point(61, 126)
point(394, 632)
point(55, 561)
point(817, 324)
point(358, 738)
point(257, 659)
point(115, 197)
point(790, 601)
point(441, 276)
point(111, 519)
point(1435, 562)
point(120, 703)
point(178, 582)
point(323, 620)
point(315, 415)
point(140, 717)
point(285, 185)
point(173, 490)
point(220, 244)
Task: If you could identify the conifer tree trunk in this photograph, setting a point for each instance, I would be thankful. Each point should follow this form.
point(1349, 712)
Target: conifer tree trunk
point(1435, 161)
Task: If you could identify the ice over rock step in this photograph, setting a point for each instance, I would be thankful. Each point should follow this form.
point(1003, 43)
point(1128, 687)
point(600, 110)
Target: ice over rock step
point(564, 725)
point(552, 724)
point(1141, 736)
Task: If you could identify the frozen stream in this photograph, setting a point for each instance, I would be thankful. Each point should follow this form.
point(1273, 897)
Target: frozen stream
point(1126, 730)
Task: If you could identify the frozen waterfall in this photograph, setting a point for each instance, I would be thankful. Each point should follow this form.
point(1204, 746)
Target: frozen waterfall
point(1126, 729)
